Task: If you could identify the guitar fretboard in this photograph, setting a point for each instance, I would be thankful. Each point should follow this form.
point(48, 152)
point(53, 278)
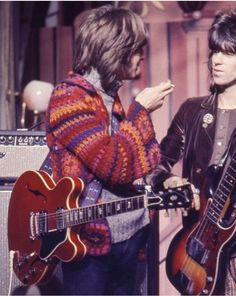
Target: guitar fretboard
point(223, 192)
point(69, 218)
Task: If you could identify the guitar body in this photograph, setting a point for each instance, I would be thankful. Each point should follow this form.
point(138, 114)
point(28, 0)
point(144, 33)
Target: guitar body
point(196, 253)
point(189, 271)
point(35, 256)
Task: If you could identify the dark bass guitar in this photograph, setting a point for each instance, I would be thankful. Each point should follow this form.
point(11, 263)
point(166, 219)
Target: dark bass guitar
point(196, 259)
point(42, 217)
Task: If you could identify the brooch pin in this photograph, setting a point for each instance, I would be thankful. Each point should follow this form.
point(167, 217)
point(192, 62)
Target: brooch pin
point(207, 119)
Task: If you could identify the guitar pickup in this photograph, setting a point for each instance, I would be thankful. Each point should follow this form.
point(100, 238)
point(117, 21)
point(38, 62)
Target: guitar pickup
point(38, 224)
point(197, 250)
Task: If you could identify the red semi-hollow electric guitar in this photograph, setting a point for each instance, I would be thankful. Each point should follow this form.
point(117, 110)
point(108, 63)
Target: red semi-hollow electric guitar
point(42, 215)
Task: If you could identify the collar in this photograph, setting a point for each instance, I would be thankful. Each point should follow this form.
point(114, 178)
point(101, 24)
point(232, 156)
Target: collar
point(78, 80)
point(95, 79)
point(209, 101)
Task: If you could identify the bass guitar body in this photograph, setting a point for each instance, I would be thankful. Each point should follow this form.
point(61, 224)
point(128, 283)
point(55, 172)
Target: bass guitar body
point(197, 259)
point(35, 257)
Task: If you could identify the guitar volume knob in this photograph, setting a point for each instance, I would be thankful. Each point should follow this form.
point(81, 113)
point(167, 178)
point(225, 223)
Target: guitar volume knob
point(26, 279)
point(19, 264)
point(209, 279)
point(33, 271)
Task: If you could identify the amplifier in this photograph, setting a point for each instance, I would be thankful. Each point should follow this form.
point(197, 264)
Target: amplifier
point(54, 285)
point(20, 151)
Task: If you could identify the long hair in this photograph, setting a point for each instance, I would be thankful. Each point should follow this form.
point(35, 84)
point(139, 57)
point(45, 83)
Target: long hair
point(222, 37)
point(106, 40)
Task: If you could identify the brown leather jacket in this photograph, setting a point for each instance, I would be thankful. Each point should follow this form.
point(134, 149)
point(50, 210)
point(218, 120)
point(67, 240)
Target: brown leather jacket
point(190, 139)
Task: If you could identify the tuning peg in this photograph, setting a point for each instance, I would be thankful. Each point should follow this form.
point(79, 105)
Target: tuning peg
point(166, 214)
point(175, 213)
point(184, 212)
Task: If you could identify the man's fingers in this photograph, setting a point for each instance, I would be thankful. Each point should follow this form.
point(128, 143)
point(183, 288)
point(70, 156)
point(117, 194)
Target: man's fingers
point(196, 199)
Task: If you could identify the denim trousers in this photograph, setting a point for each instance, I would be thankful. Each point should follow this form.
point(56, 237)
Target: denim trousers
point(110, 274)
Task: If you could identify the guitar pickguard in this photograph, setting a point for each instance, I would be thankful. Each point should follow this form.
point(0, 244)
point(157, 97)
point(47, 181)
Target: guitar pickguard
point(197, 250)
point(50, 241)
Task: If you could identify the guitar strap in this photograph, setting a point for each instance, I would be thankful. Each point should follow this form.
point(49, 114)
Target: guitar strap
point(47, 165)
point(91, 193)
point(96, 235)
point(94, 188)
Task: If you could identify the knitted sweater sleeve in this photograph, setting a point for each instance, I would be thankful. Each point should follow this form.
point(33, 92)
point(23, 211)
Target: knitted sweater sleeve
point(79, 122)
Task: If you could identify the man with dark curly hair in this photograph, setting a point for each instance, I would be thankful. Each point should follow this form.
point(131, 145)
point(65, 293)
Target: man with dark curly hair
point(201, 134)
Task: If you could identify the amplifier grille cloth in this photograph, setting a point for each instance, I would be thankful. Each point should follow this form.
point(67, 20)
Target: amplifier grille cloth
point(18, 159)
point(54, 287)
point(5, 262)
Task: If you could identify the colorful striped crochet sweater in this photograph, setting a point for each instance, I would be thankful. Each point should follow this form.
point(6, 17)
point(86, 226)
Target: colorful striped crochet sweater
point(79, 141)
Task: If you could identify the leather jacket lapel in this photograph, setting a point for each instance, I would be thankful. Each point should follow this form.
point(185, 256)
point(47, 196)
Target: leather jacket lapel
point(208, 118)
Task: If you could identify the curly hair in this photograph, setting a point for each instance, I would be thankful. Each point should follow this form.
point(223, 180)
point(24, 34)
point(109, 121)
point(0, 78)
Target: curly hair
point(106, 40)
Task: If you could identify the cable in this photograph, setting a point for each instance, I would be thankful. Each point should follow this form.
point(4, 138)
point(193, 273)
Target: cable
point(11, 257)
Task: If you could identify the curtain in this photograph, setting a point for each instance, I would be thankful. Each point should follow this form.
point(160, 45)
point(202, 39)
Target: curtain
point(7, 87)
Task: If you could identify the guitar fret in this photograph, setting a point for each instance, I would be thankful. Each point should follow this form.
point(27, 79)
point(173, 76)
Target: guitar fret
point(216, 209)
point(219, 201)
point(229, 182)
point(231, 172)
point(123, 206)
point(75, 217)
point(221, 194)
point(108, 209)
point(128, 204)
point(81, 215)
point(211, 217)
point(100, 212)
point(226, 188)
point(135, 204)
point(104, 210)
point(113, 207)
point(89, 213)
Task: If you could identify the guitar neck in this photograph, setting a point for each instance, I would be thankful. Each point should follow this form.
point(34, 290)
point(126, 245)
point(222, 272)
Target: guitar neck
point(73, 217)
point(223, 192)
point(43, 222)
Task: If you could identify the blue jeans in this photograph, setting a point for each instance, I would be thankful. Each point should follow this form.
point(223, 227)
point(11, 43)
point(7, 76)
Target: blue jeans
point(110, 274)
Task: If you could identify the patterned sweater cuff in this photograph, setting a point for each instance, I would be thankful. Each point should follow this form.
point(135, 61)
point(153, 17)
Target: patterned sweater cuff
point(142, 121)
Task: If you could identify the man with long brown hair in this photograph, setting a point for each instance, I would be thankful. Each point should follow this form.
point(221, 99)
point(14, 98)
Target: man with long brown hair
point(91, 137)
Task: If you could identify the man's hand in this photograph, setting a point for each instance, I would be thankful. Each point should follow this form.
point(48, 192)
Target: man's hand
point(176, 181)
point(152, 98)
